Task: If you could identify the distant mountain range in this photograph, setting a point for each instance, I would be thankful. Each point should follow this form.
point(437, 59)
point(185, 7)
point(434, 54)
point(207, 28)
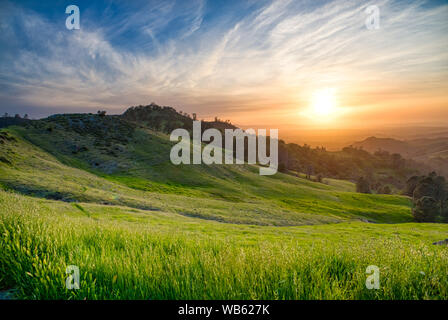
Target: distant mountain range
point(432, 151)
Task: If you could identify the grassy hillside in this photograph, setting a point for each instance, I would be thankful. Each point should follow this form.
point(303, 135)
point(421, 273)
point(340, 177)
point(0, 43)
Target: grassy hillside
point(101, 193)
point(234, 194)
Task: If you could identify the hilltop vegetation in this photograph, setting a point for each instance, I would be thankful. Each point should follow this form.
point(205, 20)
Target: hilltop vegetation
point(166, 119)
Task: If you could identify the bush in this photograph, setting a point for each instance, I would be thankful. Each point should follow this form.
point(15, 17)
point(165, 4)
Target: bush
point(430, 197)
point(425, 209)
point(363, 186)
point(385, 190)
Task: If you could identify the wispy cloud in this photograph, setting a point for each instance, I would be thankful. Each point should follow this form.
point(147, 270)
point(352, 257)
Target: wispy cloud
point(267, 60)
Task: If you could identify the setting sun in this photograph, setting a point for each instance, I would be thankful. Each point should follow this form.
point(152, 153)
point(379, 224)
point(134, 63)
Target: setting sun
point(323, 102)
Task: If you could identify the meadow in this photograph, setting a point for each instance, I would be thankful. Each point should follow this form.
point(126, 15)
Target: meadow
point(127, 253)
point(156, 231)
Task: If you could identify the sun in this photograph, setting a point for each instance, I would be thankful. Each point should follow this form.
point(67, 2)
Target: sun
point(323, 102)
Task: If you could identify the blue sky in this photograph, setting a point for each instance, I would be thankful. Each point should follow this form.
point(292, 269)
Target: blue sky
point(251, 61)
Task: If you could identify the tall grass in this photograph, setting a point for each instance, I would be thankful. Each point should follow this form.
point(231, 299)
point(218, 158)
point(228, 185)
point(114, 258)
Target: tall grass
point(129, 260)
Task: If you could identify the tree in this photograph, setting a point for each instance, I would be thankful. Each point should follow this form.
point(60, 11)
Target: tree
point(424, 189)
point(363, 186)
point(101, 113)
point(445, 211)
point(425, 209)
point(385, 190)
point(282, 167)
point(17, 116)
point(432, 187)
point(309, 171)
point(441, 193)
point(25, 116)
point(411, 184)
point(397, 161)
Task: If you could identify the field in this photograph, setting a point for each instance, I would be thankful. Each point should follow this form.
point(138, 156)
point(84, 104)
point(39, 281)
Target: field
point(126, 253)
point(150, 230)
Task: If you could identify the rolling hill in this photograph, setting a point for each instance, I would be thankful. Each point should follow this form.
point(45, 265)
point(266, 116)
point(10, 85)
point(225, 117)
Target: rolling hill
point(431, 151)
point(100, 192)
point(109, 161)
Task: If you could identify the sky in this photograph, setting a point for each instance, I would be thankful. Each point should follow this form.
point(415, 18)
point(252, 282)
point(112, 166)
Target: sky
point(274, 64)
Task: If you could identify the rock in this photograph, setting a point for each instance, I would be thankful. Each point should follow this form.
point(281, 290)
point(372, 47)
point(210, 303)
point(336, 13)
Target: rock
point(441, 243)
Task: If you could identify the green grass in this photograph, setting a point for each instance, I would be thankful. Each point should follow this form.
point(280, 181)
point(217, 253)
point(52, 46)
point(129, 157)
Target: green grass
point(126, 253)
point(140, 228)
point(233, 194)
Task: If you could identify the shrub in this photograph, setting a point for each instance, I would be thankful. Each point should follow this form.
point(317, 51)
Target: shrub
point(425, 209)
point(363, 186)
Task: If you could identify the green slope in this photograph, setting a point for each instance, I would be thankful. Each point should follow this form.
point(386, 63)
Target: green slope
point(139, 175)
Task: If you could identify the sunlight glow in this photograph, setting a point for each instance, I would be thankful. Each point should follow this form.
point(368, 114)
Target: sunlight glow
point(323, 102)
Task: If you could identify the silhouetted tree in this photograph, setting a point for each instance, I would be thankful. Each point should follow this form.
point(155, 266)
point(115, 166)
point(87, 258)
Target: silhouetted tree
point(309, 171)
point(441, 193)
point(385, 190)
point(411, 184)
point(282, 167)
point(397, 161)
point(425, 209)
point(432, 187)
point(425, 188)
point(362, 185)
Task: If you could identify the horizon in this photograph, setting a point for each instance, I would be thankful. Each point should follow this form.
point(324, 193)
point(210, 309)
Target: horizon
point(331, 139)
